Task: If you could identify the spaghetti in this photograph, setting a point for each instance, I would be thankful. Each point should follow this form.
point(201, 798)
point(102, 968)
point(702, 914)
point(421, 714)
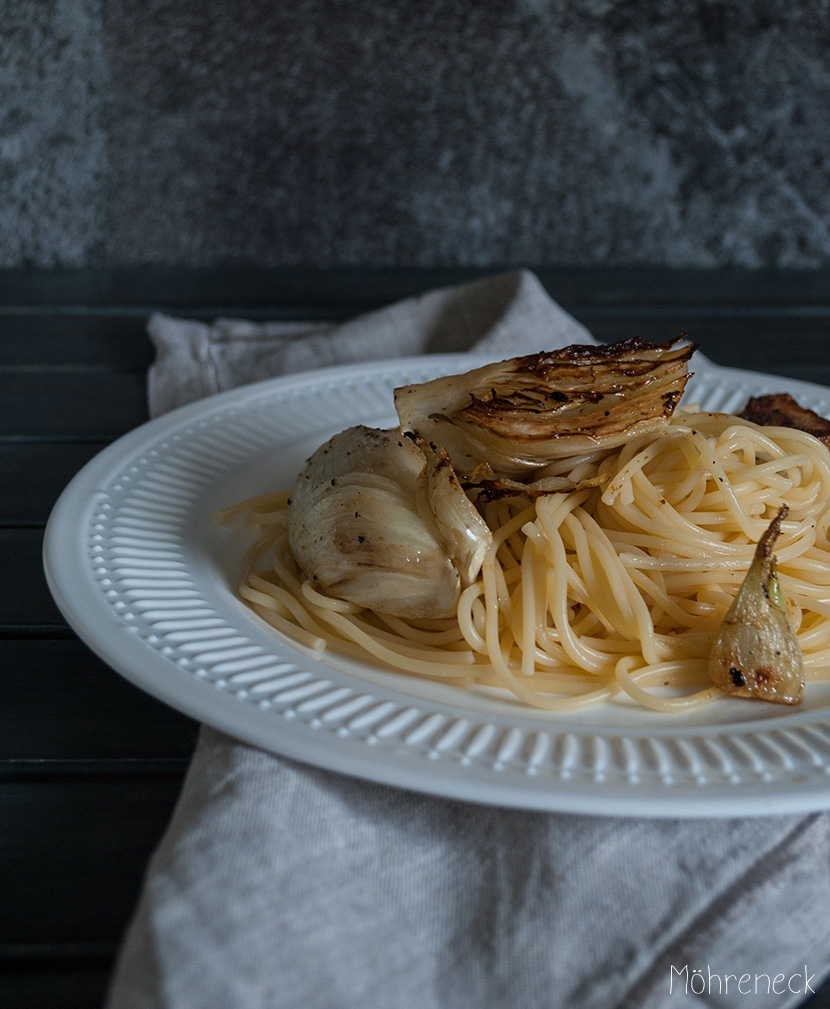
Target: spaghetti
point(615, 590)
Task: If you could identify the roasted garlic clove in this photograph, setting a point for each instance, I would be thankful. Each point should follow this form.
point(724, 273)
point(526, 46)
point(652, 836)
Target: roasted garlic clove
point(756, 653)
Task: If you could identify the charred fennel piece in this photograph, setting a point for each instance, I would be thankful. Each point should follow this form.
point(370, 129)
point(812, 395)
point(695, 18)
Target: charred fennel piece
point(488, 488)
point(520, 414)
point(756, 653)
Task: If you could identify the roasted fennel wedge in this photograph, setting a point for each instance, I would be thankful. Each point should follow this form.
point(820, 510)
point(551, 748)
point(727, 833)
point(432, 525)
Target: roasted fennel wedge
point(520, 414)
point(361, 529)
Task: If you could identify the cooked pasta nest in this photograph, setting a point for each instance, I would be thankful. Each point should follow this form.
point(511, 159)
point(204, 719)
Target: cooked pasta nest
point(613, 591)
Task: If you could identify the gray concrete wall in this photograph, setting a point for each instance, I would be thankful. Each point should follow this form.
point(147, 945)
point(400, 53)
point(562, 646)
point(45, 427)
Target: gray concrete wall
point(390, 132)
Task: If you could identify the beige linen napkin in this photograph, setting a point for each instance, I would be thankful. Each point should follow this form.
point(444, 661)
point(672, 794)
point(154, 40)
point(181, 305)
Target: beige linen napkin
point(279, 885)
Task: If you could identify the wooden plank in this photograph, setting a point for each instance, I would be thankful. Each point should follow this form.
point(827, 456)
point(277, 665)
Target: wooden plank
point(35, 473)
point(342, 289)
point(115, 342)
point(25, 601)
point(354, 288)
point(63, 705)
point(52, 985)
point(89, 342)
point(87, 405)
point(73, 856)
point(650, 288)
point(819, 374)
point(67, 404)
point(777, 344)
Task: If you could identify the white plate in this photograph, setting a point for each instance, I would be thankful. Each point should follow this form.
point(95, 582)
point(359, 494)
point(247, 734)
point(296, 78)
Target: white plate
point(145, 579)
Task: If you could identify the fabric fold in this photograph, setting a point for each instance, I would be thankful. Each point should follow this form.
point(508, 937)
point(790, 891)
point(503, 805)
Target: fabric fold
point(505, 315)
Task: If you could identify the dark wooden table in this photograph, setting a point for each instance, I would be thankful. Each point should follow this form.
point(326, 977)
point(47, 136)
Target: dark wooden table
point(89, 766)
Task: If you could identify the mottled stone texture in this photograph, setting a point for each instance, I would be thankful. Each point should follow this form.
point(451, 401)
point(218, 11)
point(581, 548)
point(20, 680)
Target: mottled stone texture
point(52, 143)
point(482, 132)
